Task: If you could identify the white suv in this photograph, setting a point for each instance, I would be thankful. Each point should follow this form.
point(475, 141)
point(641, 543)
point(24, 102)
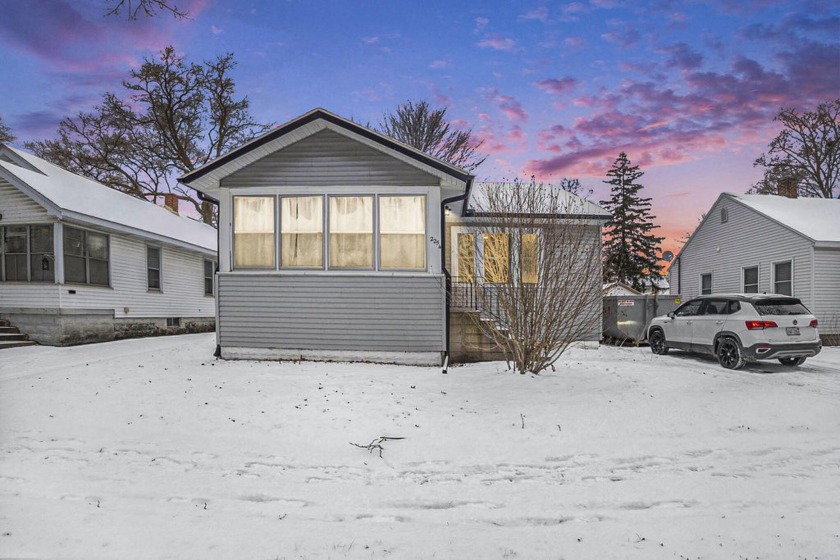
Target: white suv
point(739, 328)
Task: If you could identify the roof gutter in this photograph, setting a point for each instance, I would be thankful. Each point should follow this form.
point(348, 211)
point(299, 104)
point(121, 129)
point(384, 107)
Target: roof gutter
point(446, 274)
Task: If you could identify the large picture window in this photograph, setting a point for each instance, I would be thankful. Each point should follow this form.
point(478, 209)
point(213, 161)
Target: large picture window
point(302, 232)
point(86, 257)
point(253, 232)
point(351, 232)
point(402, 232)
point(27, 254)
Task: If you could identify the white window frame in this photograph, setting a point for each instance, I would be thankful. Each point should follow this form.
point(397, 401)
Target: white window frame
point(159, 269)
point(275, 224)
point(212, 276)
point(711, 283)
point(86, 257)
point(773, 275)
point(757, 279)
point(278, 235)
point(377, 231)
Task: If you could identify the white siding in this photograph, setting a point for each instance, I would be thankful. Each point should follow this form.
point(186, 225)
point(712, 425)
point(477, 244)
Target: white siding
point(827, 289)
point(182, 279)
point(17, 208)
point(34, 295)
point(747, 239)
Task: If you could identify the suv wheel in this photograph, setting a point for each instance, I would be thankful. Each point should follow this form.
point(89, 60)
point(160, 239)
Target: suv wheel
point(792, 361)
point(657, 343)
point(729, 354)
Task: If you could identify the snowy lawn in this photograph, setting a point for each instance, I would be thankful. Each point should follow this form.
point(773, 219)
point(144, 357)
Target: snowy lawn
point(151, 448)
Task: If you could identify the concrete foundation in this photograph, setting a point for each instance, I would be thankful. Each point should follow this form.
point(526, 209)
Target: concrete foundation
point(68, 327)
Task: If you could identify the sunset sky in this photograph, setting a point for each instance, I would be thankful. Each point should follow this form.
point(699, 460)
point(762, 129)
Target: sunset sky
point(554, 89)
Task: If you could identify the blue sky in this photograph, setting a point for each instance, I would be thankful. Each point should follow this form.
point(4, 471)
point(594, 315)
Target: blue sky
point(554, 89)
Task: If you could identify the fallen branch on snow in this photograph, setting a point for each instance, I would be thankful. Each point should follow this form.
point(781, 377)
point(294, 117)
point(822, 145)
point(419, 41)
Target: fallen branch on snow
point(376, 444)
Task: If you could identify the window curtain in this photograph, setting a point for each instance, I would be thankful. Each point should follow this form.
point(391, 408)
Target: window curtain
point(302, 232)
point(253, 231)
point(351, 232)
point(402, 232)
point(466, 258)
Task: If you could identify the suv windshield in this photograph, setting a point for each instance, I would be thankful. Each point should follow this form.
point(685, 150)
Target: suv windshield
point(786, 306)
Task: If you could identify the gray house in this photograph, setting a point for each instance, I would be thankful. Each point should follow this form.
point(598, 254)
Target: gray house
point(767, 244)
point(333, 244)
point(81, 262)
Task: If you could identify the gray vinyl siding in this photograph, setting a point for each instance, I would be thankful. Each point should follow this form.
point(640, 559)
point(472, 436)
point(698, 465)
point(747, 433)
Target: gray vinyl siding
point(747, 239)
point(328, 158)
point(827, 290)
point(331, 312)
point(17, 208)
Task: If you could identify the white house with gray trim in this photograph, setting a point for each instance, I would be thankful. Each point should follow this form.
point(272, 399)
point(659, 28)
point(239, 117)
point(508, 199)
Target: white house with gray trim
point(332, 244)
point(81, 262)
point(767, 244)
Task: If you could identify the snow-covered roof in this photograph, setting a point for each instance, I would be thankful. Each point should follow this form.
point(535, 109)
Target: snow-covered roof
point(570, 203)
point(71, 196)
point(816, 218)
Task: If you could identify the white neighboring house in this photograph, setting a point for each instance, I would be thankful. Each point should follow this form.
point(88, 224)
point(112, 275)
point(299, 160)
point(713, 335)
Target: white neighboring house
point(767, 244)
point(81, 262)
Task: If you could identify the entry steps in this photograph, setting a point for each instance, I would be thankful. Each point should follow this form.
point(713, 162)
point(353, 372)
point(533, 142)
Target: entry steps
point(11, 337)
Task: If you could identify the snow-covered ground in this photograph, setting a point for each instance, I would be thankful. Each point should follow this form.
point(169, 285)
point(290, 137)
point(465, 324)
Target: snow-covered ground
point(151, 448)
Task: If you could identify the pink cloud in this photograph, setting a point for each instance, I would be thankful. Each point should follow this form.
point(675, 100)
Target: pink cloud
point(574, 42)
point(497, 43)
point(557, 85)
point(480, 24)
point(540, 14)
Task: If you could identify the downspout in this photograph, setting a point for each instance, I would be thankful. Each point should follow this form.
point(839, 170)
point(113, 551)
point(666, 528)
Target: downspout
point(205, 198)
point(446, 274)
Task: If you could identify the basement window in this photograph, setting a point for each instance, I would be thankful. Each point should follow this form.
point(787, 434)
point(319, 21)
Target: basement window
point(173, 321)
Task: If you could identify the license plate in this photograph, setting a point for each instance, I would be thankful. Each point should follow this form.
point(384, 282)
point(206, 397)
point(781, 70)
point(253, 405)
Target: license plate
point(792, 331)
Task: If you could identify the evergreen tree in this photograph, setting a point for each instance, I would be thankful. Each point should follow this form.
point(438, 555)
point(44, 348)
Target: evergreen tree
point(631, 250)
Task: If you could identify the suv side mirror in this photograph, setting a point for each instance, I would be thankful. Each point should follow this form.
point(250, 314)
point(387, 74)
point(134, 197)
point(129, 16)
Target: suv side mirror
point(671, 314)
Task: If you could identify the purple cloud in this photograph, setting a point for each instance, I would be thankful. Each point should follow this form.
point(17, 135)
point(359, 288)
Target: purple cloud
point(683, 57)
point(498, 43)
point(557, 85)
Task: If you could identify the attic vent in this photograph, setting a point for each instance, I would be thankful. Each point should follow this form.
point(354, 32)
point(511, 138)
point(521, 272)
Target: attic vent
point(724, 215)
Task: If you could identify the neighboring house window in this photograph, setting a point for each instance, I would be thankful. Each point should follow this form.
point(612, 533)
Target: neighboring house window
point(724, 215)
point(402, 232)
point(26, 254)
point(528, 256)
point(351, 232)
point(751, 280)
point(86, 257)
point(466, 257)
point(496, 258)
point(153, 267)
point(302, 232)
point(209, 269)
point(783, 278)
point(705, 284)
point(253, 232)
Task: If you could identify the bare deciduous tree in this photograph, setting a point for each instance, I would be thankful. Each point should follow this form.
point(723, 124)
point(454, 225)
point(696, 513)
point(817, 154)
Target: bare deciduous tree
point(805, 154)
point(425, 128)
point(176, 117)
point(148, 8)
point(540, 289)
point(6, 135)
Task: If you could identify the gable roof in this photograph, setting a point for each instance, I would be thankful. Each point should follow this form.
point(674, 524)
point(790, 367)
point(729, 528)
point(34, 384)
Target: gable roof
point(818, 219)
point(70, 196)
point(206, 177)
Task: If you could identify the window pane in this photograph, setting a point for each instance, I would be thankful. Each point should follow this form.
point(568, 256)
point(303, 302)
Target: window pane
point(466, 257)
point(496, 258)
point(528, 258)
point(402, 232)
point(15, 239)
point(154, 279)
point(687, 309)
point(98, 272)
point(97, 245)
point(208, 286)
point(782, 272)
point(783, 283)
point(16, 268)
point(41, 239)
point(253, 231)
point(74, 242)
point(42, 268)
point(302, 232)
point(74, 269)
point(153, 257)
point(351, 232)
point(209, 269)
